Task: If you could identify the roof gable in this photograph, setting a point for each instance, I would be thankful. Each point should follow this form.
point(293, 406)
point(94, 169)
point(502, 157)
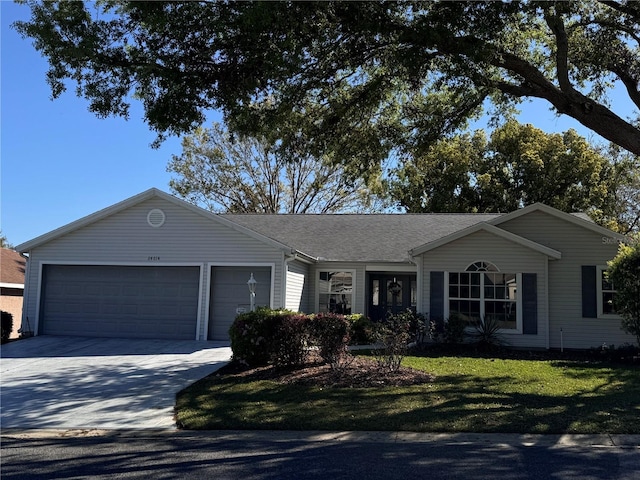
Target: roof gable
point(487, 227)
point(135, 200)
point(575, 219)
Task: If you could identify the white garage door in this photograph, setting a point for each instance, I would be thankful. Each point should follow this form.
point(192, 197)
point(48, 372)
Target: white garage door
point(230, 294)
point(120, 301)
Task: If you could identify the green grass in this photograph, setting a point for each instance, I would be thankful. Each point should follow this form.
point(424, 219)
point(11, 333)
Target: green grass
point(468, 395)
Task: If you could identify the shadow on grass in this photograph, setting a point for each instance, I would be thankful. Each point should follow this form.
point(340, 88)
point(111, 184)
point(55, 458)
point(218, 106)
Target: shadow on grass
point(453, 403)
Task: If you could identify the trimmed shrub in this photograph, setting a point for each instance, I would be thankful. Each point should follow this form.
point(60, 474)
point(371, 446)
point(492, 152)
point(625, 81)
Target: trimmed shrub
point(6, 326)
point(252, 334)
point(289, 346)
point(454, 329)
point(362, 329)
point(331, 333)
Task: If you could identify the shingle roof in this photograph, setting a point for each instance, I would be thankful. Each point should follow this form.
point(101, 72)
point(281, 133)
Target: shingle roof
point(357, 237)
point(12, 267)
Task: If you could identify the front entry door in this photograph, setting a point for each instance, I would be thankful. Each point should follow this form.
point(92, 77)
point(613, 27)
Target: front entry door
point(390, 293)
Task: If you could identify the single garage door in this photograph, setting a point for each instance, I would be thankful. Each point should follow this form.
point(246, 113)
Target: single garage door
point(120, 301)
point(230, 294)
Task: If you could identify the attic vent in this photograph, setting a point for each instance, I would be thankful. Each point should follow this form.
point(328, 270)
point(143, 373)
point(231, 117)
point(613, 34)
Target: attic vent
point(156, 218)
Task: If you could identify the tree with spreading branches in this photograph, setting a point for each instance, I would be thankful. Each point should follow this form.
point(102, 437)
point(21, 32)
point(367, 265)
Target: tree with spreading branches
point(245, 175)
point(358, 81)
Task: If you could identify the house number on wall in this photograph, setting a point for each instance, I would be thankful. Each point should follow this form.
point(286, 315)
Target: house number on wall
point(153, 258)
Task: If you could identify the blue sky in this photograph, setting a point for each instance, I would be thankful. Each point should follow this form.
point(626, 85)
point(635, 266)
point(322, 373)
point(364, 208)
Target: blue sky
point(59, 162)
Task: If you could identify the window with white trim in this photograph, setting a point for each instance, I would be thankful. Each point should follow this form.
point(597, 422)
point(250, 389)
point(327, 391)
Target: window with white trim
point(483, 292)
point(335, 291)
point(606, 294)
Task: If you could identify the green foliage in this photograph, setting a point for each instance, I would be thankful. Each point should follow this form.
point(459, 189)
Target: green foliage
point(355, 81)
point(393, 334)
point(283, 338)
point(362, 329)
point(454, 329)
point(519, 165)
point(290, 342)
point(486, 332)
point(6, 324)
point(331, 334)
point(624, 354)
point(4, 243)
point(624, 273)
point(252, 335)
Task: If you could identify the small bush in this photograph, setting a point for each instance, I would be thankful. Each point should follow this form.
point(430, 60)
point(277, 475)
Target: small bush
point(252, 334)
point(393, 334)
point(624, 272)
point(451, 332)
point(362, 329)
point(487, 332)
point(627, 354)
point(454, 329)
point(417, 326)
point(331, 333)
point(6, 326)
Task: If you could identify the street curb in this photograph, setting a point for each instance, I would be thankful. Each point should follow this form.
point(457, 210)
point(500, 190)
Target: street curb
point(505, 439)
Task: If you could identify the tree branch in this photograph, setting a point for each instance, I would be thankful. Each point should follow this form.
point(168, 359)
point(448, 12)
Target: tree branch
point(555, 23)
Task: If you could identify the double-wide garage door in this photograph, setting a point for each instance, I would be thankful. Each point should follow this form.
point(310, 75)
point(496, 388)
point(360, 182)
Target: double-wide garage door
point(120, 301)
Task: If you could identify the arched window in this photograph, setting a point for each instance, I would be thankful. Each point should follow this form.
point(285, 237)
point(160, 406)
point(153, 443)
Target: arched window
point(482, 267)
point(482, 292)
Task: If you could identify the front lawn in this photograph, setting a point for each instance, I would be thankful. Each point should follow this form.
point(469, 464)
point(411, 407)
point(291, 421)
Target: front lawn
point(467, 395)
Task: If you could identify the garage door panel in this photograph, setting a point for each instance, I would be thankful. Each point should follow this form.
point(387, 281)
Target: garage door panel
point(120, 301)
point(229, 291)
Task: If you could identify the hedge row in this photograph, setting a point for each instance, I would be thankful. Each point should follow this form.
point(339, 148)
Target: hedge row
point(283, 338)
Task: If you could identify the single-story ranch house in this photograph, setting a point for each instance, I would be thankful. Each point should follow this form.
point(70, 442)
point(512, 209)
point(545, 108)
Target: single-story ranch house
point(154, 266)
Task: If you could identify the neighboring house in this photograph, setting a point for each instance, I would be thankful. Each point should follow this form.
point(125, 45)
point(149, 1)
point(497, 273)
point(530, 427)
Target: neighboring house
point(12, 267)
point(155, 266)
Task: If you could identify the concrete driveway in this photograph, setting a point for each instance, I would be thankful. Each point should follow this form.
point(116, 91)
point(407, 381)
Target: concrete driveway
point(104, 383)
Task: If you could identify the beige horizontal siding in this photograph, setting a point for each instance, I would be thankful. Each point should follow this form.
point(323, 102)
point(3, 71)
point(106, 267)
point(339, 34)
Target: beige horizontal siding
point(507, 256)
point(297, 294)
point(126, 237)
point(579, 246)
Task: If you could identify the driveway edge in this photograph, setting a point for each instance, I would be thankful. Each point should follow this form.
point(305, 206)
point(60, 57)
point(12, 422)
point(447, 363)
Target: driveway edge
point(512, 439)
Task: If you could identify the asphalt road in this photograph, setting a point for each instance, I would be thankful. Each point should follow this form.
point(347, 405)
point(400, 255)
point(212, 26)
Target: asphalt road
point(271, 455)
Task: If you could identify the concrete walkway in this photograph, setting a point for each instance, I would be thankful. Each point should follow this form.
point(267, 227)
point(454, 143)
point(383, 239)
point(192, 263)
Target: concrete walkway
point(50, 382)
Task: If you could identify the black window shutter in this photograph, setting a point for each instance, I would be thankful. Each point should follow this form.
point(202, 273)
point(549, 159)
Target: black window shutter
point(589, 291)
point(436, 294)
point(529, 304)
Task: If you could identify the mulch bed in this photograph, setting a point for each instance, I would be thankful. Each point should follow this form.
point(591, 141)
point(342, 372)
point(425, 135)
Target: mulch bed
point(359, 372)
